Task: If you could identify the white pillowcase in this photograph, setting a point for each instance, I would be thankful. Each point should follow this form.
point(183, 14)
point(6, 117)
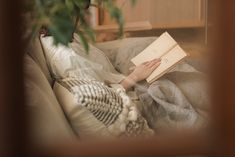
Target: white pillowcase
point(73, 61)
point(58, 57)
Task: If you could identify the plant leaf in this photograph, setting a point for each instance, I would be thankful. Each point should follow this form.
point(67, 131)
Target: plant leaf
point(70, 5)
point(84, 41)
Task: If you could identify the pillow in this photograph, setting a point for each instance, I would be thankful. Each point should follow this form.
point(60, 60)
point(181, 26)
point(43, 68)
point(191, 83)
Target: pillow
point(96, 110)
point(95, 54)
point(65, 62)
point(58, 57)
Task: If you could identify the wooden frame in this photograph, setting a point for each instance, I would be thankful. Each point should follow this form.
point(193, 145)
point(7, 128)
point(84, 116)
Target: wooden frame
point(13, 123)
point(13, 129)
point(129, 27)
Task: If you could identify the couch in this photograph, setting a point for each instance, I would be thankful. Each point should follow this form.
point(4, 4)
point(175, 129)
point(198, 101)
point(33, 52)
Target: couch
point(47, 119)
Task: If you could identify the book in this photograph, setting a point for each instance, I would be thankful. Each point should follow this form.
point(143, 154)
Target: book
point(164, 47)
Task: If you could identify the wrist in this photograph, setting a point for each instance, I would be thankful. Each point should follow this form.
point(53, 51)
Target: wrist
point(133, 78)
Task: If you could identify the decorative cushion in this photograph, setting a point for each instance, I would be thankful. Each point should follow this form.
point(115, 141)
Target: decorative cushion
point(110, 108)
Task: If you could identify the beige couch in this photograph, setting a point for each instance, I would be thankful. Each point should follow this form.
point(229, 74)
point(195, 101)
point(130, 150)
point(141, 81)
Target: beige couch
point(47, 118)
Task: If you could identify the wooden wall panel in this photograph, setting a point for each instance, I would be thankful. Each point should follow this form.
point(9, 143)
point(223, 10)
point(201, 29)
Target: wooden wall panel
point(174, 11)
point(163, 13)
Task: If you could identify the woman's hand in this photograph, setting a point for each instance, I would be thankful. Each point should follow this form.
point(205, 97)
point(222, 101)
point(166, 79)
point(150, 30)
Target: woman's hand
point(140, 73)
point(143, 71)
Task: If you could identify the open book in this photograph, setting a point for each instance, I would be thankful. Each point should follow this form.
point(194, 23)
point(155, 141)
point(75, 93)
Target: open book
point(166, 48)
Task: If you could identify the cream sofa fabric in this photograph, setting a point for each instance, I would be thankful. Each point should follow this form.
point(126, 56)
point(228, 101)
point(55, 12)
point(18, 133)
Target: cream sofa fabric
point(47, 120)
point(35, 51)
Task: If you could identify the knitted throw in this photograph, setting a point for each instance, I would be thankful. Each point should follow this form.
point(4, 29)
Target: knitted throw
point(110, 106)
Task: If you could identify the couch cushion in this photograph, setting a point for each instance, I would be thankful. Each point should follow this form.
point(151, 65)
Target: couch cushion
point(48, 122)
point(36, 52)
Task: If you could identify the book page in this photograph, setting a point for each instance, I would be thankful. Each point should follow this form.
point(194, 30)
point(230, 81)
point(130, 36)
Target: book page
point(168, 61)
point(155, 50)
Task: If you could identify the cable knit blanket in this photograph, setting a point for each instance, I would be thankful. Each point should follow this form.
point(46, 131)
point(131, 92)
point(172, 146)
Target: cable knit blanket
point(177, 100)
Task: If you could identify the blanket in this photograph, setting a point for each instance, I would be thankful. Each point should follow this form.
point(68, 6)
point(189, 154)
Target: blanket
point(177, 100)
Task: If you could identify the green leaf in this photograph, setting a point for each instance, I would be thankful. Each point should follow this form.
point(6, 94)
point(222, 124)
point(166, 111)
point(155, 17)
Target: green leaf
point(58, 15)
point(84, 41)
point(116, 13)
point(90, 32)
point(79, 3)
point(61, 28)
point(70, 5)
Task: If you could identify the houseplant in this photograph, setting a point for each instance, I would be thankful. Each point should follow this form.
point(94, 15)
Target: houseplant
point(62, 18)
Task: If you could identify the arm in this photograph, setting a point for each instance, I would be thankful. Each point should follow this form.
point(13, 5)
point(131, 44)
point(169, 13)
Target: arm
point(140, 73)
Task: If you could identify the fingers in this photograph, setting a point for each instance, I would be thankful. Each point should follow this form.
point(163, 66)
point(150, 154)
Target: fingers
point(155, 65)
point(153, 62)
point(146, 63)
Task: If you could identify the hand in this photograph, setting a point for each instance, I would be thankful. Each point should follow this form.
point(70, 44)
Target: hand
point(140, 73)
point(143, 70)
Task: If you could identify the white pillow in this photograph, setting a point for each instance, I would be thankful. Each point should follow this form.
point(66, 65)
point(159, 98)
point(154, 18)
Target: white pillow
point(95, 54)
point(58, 57)
point(64, 62)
